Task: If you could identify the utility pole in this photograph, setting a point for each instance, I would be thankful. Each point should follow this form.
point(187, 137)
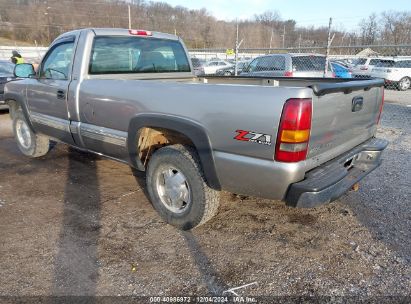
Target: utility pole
point(173, 18)
point(129, 17)
point(237, 46)
point(342, 41)
point(236, 51)
point(299, 44)
point(48, 23)
point(284, 37)
point(271, 39)
point(329, 41)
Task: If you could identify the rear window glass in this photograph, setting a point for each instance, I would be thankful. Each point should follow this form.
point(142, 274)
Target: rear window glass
point(118, 55)
point(196, 62)
point(375, 61)
point(360, 61)
point(339, 67)
point(269, 63)
point(308, 63)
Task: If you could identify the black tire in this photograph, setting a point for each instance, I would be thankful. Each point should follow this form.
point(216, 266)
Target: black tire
point(38, 144)
point(204, 201)
point(404, 84)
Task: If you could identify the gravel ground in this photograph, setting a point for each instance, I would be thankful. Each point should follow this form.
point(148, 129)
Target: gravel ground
point(398, 97)
point(72, 223)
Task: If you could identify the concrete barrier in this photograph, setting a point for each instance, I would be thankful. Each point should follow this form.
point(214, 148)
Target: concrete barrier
point(29, 53)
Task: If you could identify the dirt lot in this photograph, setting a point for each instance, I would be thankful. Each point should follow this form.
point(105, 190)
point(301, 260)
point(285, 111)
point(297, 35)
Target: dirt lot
point(72, 223)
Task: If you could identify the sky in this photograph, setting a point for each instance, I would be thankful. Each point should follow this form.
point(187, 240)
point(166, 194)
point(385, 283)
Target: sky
point(345, 13)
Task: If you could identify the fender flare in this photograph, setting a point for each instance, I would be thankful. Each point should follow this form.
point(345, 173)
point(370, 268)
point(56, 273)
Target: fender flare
point(189, 128)
point(19, 100)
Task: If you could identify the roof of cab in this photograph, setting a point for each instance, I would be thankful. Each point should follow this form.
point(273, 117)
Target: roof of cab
point(118, 32)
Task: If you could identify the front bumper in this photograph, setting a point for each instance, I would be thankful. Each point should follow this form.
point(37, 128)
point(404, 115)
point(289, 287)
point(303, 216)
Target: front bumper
point(331, 180)
point(3, 105)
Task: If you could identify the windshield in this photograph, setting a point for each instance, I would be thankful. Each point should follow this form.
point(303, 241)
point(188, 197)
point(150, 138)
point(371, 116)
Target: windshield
point(6, 68)
point(241, 65)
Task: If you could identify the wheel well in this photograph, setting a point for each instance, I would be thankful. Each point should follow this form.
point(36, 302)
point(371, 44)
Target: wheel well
point(151, 139)
point(13, 107)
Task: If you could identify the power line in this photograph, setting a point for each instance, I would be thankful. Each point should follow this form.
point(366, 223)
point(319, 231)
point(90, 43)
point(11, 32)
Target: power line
point(92, 2)
point(34, 24)
point(76, 4)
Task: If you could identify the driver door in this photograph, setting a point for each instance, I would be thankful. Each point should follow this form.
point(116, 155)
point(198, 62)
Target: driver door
point(47, 93)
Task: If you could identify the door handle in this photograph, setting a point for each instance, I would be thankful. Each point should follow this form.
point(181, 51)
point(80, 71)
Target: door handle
point(61, 94)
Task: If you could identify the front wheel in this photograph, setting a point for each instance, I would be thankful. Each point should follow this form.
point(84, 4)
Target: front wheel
point(29, 143)
point(404, 84)
point(178, 189)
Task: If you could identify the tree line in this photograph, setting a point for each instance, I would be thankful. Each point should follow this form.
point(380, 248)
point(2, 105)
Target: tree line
point(40, 21)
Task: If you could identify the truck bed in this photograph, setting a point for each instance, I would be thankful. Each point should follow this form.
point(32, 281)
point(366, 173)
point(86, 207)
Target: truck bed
point(320, 86)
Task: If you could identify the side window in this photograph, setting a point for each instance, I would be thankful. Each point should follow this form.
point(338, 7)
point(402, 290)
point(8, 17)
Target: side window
point(403, 64)
point(57, 63)
point(271, 63)
point(278, 63)
point(252, 67)
point(374, 61)
point(406, 64)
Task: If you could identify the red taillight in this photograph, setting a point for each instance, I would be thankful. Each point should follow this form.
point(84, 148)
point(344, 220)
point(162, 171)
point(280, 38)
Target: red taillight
point(288, 74)
point(294, 130)
point(381, 106)
point(140, 33)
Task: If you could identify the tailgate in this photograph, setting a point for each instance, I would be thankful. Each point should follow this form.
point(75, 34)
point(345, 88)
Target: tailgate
point(344, 116)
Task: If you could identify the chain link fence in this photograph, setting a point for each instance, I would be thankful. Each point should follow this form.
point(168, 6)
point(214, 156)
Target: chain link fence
point(390, 62)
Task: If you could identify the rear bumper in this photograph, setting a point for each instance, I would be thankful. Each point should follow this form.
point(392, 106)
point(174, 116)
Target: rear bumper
point(356, 75)
point(331, 180)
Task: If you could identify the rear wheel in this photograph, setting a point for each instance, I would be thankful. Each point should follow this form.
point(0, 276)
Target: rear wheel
point(29, 143)
point(178, 189)
point(404, 84)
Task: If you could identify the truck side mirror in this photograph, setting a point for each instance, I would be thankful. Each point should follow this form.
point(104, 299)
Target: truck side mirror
point(24, 70)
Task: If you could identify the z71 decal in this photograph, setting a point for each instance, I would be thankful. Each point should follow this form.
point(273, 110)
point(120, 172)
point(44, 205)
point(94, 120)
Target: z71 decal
point(254, 137)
